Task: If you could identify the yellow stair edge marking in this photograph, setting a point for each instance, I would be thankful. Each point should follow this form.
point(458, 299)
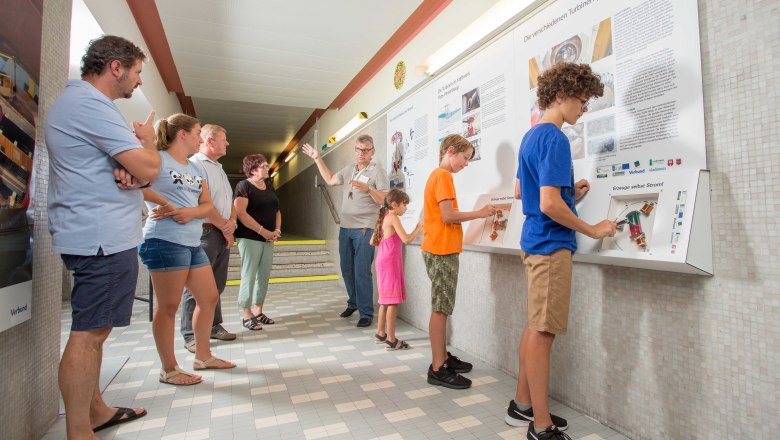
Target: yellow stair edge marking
point(291, 279)
point(292, 242)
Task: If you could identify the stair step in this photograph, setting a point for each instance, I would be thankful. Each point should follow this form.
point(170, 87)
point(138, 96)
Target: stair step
point(295, 261)
point(319, 279)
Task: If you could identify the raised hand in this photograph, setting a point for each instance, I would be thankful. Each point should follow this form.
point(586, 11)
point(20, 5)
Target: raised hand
point(145, 132)
point(310, 151)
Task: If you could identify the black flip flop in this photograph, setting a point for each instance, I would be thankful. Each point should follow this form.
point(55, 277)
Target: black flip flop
point(118, 420)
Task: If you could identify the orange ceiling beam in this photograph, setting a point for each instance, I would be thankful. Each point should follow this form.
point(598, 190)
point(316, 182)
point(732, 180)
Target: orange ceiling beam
point(147, 18)
point(417, 21)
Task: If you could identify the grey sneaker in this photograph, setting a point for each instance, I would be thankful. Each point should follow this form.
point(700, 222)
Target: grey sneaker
point(219, 332)
point(190, 346)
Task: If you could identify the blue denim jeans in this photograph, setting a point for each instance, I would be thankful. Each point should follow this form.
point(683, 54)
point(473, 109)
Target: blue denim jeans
point(357, 254)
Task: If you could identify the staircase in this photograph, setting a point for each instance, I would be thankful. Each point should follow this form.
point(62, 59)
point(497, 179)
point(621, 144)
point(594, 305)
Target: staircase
point(295, 261)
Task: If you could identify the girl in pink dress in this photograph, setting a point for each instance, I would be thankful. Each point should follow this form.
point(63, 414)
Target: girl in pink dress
point(390, 236)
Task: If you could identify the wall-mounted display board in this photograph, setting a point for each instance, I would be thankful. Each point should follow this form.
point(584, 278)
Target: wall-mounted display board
point(641, 145)
point(20, 64)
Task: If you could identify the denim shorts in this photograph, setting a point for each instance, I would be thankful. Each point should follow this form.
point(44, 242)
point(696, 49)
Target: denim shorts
point(103, 289)
point(160, 255)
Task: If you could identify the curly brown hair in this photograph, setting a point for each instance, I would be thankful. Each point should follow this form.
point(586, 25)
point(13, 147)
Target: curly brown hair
point(568, 80)
point(103, 50)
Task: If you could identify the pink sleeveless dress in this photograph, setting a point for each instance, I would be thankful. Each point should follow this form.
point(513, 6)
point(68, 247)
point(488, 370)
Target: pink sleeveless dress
point(390, 270)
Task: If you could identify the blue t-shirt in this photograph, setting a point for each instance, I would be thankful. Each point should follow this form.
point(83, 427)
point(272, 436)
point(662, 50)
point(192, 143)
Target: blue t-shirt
point(87, 211)
point(545, 160)
point(181, 185)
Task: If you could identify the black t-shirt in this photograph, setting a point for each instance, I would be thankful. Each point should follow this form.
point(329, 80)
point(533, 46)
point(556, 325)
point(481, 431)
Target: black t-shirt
point(262, 206)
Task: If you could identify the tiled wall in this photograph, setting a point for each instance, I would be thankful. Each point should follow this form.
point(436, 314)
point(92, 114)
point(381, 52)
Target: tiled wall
point(660, 355)
point(30, 352)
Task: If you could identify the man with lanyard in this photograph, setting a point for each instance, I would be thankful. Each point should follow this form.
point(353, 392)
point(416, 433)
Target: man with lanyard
point(368, 188)
point(217, 239)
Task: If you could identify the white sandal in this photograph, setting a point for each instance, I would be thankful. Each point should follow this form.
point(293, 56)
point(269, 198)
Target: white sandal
point(206, 365)
point(165, 377)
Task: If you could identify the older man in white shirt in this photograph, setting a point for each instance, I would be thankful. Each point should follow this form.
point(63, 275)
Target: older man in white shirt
point(217, 239)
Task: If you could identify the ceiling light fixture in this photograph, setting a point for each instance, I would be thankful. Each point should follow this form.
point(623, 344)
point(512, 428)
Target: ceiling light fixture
point(290, 155)
point(349, 127)
point(488, 22)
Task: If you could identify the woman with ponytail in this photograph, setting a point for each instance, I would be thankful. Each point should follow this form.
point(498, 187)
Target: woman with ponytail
point(178, 202)
point(390, 236)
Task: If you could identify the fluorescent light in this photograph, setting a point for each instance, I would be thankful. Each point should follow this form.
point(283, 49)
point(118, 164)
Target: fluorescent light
point(349, 127)
point(491, 20)
point(290, 155)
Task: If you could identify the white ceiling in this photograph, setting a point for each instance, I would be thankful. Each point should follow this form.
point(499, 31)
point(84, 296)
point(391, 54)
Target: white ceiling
point(259, 68)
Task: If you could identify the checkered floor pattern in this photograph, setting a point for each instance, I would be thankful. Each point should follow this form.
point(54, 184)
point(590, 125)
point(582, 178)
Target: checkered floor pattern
point(312, 375)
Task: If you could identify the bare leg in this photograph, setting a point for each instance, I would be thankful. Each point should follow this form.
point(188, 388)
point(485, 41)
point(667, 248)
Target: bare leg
point(99, 412)
point(257, 309)
point(392, 312)
point(437, 331)
point(201, 283)
point(522, 392)
point(381, 325)
point(78, 377)
point(537, 370)
point(167, 295)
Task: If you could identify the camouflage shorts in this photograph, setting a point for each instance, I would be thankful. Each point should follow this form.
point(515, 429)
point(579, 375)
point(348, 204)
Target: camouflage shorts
point(443, 272)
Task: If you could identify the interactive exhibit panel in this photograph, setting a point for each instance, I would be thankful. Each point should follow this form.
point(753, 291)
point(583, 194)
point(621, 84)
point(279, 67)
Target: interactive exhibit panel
point(641, 145)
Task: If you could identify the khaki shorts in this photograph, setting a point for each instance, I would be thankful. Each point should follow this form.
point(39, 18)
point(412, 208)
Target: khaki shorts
point(549, 290)
point(443, 272)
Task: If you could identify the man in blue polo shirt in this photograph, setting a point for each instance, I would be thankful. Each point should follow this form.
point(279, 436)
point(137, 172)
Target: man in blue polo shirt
point(96, 166)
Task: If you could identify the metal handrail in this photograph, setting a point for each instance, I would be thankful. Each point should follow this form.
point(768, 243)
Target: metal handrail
point(328, 199)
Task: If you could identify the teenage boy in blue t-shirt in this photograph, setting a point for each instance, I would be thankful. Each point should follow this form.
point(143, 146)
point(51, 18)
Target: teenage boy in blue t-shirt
point(545, 180)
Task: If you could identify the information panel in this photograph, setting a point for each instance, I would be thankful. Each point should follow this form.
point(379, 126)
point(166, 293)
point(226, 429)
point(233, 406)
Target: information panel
point(641, 145)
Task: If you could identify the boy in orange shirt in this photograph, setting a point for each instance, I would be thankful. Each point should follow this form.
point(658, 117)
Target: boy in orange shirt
point(442, 243)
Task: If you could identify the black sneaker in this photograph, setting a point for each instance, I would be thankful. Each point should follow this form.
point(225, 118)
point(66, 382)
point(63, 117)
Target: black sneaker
point(447, 378)
point(517, 418)
point(364, 322)
point(457, 365)
point(551, 433)
point(347, 312)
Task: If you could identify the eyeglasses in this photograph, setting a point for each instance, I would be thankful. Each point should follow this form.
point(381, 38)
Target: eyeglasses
point(584, 104)
point(264, 166)
point(363, 150)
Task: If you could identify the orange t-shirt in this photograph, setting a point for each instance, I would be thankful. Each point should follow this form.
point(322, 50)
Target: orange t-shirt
point(440, 238)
